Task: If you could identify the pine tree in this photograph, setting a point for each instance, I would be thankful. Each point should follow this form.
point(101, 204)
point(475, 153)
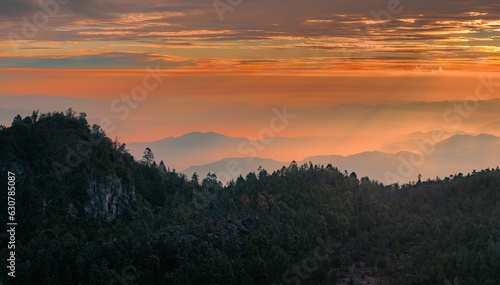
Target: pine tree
point(162, 167)
point(148, 158)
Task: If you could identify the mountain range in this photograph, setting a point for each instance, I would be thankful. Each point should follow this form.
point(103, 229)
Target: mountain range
point(401, 160)
point(200, 148)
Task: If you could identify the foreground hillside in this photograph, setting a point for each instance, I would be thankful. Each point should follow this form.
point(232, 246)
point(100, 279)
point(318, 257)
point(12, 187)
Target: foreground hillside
point(89, 213)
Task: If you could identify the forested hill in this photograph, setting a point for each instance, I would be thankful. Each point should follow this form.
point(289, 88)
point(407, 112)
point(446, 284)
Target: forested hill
point(88, 213)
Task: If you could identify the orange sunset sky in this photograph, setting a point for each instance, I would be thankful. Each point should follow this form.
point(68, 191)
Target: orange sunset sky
point(222, 66)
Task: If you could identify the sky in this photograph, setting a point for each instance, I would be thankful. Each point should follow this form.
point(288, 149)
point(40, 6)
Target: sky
point(251, 35)
point(153, 69)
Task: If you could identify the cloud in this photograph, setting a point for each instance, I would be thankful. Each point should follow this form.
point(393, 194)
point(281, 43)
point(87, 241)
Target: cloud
point(27, 8)
point(293, 30)
point(99, 60)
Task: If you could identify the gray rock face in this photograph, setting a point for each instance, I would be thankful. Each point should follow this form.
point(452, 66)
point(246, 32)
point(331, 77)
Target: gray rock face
point(109, 198)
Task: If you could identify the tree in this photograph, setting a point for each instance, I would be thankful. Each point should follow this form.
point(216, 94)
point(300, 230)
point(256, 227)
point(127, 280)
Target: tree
point(34, 116)
point(148, 157)
point(70, 113)
point(195, 179)
point(17, 120)
point(122, 148)
point(162, 167)
point(98, 132)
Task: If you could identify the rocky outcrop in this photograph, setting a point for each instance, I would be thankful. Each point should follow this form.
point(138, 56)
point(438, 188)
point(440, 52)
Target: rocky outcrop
point(109, 197)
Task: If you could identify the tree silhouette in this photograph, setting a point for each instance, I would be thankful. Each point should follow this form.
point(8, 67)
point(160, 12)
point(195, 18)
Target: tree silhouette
point(162, 167)
point(148, 157)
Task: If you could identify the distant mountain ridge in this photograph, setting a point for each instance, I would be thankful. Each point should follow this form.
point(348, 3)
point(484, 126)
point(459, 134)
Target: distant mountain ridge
point(459, 153)
point(406, 142)
point(198, 148)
